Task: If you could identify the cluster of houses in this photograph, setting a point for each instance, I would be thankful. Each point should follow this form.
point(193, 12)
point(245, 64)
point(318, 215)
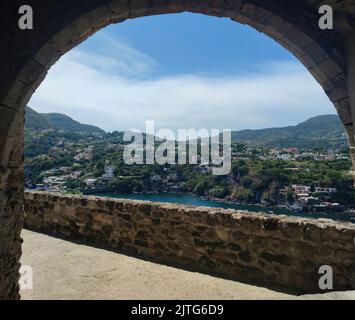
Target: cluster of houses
point(54, 179)
point(287, 154)
point(294, 154)
point(84, 154)
point(314, 197)
point(109, 174)
point(317, 197)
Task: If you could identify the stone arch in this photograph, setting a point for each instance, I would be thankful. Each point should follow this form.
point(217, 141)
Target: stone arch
point(295, 27)
point(59, 26)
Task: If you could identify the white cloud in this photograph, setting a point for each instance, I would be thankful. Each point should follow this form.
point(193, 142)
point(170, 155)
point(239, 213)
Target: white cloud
point(113, 88)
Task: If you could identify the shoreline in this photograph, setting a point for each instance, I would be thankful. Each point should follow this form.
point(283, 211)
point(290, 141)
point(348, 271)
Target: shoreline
point(264, 207)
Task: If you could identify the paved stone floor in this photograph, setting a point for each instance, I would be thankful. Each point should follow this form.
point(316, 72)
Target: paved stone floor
point(65, 270)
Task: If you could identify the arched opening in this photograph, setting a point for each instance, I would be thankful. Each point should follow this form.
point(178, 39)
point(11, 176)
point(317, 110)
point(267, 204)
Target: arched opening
point(236, 78)
point(299, 35)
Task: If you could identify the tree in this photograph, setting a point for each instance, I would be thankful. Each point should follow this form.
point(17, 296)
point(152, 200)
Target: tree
point(290, 197)
point(312, 188)
point(239, 170)
point(272, 195)
point(218, 192)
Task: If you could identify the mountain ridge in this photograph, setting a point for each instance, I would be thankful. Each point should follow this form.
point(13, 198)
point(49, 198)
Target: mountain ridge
point(319, 131)
point(323, 131)
point(44, 121)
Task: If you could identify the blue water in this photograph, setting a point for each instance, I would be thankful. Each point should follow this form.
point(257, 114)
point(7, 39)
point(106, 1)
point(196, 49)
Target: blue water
point(189, 199)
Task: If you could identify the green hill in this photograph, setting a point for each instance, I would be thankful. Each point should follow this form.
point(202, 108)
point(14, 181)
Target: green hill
point(36, 121)
point(321, 131)
point(325, 131)
point(43, 121)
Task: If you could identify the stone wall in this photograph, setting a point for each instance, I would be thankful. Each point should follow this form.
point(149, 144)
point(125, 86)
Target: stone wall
point(11, 205)
point(276, 251)
point(27, 55)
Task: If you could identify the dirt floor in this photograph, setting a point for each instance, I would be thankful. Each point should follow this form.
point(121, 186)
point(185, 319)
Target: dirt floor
point(66, 270)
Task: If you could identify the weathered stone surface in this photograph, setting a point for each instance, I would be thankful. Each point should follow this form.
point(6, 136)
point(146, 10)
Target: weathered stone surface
point(26, 56)
point(352, 155)
point(11, 220)
point(279, 251)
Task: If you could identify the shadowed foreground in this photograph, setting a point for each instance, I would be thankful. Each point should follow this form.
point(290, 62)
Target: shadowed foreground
point(66, 270)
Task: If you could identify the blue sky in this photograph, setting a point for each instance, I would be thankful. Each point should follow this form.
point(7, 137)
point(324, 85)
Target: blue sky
point(183, 71)
point(195, 43)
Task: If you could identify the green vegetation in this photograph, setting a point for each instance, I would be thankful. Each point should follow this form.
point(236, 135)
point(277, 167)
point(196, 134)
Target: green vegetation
point(43, 121)
point(76, 161)
point(324, 131)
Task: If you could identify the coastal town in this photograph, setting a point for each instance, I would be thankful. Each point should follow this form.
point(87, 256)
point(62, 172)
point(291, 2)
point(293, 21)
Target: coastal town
point(96, 166)
point(270, 168)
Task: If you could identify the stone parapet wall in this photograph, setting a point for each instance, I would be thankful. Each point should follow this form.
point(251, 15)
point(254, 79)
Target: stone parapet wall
point(27, 55)
point(276, 251)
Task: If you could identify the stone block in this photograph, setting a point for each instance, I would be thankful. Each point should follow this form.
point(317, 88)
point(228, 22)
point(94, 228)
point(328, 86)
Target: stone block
point(263, 248)
point(344, 111)
point(336, 88)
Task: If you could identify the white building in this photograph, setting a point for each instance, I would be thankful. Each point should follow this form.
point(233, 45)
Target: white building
point(109, 171)
point(155, 178)
point(301, 191)
point(327, 191)
point(90, 182)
